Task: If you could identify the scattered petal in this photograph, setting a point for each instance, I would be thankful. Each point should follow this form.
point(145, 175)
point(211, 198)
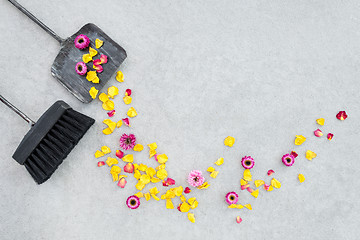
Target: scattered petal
point(247, 175)
point(310, 155)
point(101, 163)
point(138, 148)
point(205, 185)
point(162, 174)
point(300, 139)
point(341, 115)
point(127, 100)
point(128, 158)
point(97, 62)
point(191, 217)
point(248, 206)
point(232, 198)
point(98, 68)
point(86, 58)
point(111, 113)
point(147, 196)
point(255, 193)
point(122, 182)
point(92, 52)
point(93, 92)
point(238, 219)
point(318, 133)
point(270, 172)
point(110, 124)
point(275, 183)
point(139, 195)
point(98, 43)
point(152, 153)
point(187, 190)
point(131, 112)
point(119, 76)
point(184, 207)
point(214, 174)
point(258, 183)
point(111, 161)
point(301, 178)
point(113, 91)
point(128, 92)
point(247, 162)
point(246, 186)
point(229, 141)
point(108, 105)
point(103, 97)
point(152, 146)
point(129, 168)
point(330, 136)
point(99, 154)
point(105, 149)
point(119, 154)
point(103, 59)
point(294, 154)
point(169, 182)
point(210, 169)
point(119, 123)
point(169, 204)
point(249, 189)
point(243, 182)
point(220, 161)
point(162, 158)
point(320, 121)
point(126, 121)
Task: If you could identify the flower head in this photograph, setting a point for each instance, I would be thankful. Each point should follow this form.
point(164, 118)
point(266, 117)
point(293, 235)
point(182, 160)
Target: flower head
point(288, 159)
point(127, 141)
point(247, 162)
point(82, 41)
point(81, 68)
point(232, 198)
point(196, 178)
point(133, 202)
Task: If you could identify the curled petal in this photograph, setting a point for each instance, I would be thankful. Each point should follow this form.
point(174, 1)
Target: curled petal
point(191, 217)
point(127, 100)
point(250, 190)
point(275, 183)
point(108, 105)
point(129, 168)
point(330, 136)
point(246, 186)
point(105, 149)
point(99, 154)
point(255, 193)
point(318, 133)
point(103, 97)
point(220, 161)
point(243, 182)
point(248, 206)
point(131, 112)
point(111, 161)
point(113, 91)
point(86, 58)
point(93, 92)
point(119, 154)
point(119, 76)
point(126, 121)
point(111, 113)
point(238, 219)
point(97, 62)
point(258, 183)
point(301, 178)
point(294, 154)
point(270, 172)
point(187, 190)
point(122, 182)
point(152, 146)
point(341, 115)
point(92, 52)
point(128, 92)
point(247, 175)
point(103, 59)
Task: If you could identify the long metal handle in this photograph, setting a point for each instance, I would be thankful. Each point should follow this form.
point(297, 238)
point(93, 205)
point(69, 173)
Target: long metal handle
point(32, 17)
point(12, 107)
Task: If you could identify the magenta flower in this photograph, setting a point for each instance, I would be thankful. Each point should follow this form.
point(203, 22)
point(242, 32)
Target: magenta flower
point(133, 202)
point(232, 198)
point(81, 68)
point(82, 41)
point(247, 162)
point(127, 141)
point(288, 159)
point(196, 178)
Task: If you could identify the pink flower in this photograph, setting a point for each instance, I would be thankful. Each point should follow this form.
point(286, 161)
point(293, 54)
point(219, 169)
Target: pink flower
point(81, 68)
point(82, 41)
point(232, 198)
point(133, 202)
point(247, 162)
point(196, 178)
point(127, 141)
point(288, 159)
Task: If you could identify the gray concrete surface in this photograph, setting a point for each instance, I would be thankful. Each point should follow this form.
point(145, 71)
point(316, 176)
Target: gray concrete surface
point(261, 71)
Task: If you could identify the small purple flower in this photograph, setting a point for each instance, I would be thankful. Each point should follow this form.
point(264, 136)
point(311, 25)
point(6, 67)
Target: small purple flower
point(196, 178)
point(288, 159)
point(127, 141)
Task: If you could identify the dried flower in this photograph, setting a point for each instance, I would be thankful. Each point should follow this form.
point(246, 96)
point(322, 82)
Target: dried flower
point(127, 141)
point(196, 178)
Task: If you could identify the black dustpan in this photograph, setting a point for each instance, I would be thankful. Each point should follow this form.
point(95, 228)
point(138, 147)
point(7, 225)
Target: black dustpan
point(63, 68)
point(50, 139)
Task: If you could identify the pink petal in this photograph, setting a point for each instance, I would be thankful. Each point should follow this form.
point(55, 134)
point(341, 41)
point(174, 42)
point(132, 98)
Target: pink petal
point(97, 62)
point(250, 190)
point(155, 156)
point(294, 154)
point(111, 113)
point(103, 58)
point(119, 154)
point(270, 172)
point(266, 187)
point(330, 136)
point(128, 92)
point(318, 133)
point(129, 168)
point(98, 68)
point(243, 187)
point(101, 163)
point(341, 115)
point(238, 219)
point(187, 190)
point(126, 121)
point(170, 181)
point(122, 182)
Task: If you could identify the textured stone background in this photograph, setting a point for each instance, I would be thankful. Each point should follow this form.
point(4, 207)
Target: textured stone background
point(261, 71)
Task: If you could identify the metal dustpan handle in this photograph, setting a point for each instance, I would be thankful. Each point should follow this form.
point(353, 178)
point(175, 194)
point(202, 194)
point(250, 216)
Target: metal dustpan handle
point(37, 21)
point(15, 109)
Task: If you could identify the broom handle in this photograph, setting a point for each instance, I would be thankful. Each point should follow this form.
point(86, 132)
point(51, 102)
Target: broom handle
point(37, 21)
point(12, 107)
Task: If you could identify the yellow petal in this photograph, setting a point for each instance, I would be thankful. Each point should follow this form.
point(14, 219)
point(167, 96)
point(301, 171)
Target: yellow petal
point(93, 92)
point(139, 194)
point(142, 167)
point(154, 190)
point(107, 131)
point(270, 188)
point(86, 58)
point(131, 112)
point(152, 146)
point(239, 206)
point(137, 174)
point(248, 206)
point(103, 97)
point(92, 52)
point(98, 43)
point(95, 80)
point(152, 152)
point(178, 191)
point(310, 155)
point(128, 158)
point(145, 179)
point(220, 161)
point(110, 161)
point(105, 149)
point(113, 91)
point(232, 206)
point(320, 121)
point(275, 183)
point(147, 196)
point(247, 175)
point(119, 124)
point(119, 76)
point(255, 193)
point(162, 174)
point(150, 172)
point(115, 176)
point(162, 158)
point(183, 198)
point(300, 139)
point(140, 186)
point(115, 169)
point(169, 204)
point(155, 180)
point(138, 148)
point(184, 207)
point(136, 166)
point(91, 75)
point(191, 217)
point(205, 185)
point(108, 105)
point(229, 141)
point(110, 124)
point(127, 99)
point(155, 197)
point(210, 169)
point(258, 183)
point(243, 182)
point(214, 174)
point(162, 166)
point(301, 178)
point(99, 154)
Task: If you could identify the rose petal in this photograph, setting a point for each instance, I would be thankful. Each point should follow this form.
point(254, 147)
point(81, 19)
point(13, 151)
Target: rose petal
point(103, 97)
point(301, 178)
point(122, 182)
point(127, 100)
point(341, 115)
point(110, 124)
point(161, 174)
point(162, 158)
point(126, 121)
point(139, 195)
point(119, 123)
point(238, 219)
point(249, 189)
point(275, 183)
point(187, 190)
point(108, 105)
point(119, 154)
point(97, 62)
point(320, 121)
point(129, 168)
point(169, 204)
point(99, 154)
point(93, 92)
point(131, 112)
point(220, 161)
point(86, 58)
point(191, 217)
point(255, 193)
point(119, 76)
point(330, 136)
point(147, 196)
point(92, 52)
point(229, 141)
point(128, 158)
point(247, 175)
point(184, 207)
point(294, 154)
point(205, 185)
point(214, 174)
point(246, 186)
point(113, 91)
point(210, 169)
point(105, 149)
point(101, 163)
point(98, 43)
point(270, 172)
point(310, 155)
point(258, 183)
point(128, 92)
point(103, 59)
point(111, 161)
point(98, 68)
point(111, 113)
point(248, 206)
point(300, 139)
point(318, 133)
point(243, 182)
point(138, 148)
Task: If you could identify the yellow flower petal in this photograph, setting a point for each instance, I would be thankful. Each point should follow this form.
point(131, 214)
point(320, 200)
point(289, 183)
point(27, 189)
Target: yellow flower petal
point(98, 43)
point(127, 99)
point(205, 185)
point(300, 139)
point(108, 105)
point(310, 155)
point(138, 148)
point(93, 92)
point(301, 178)
point(214, 174)
point(239, 206)
point(105, 149)
point(115, 177)
point(247, 175)
point(110, 161)
point(140, 186)
point(178, 191)
point(162, 166)
point(232, 206)
point(255, 193)
point(150, 172)
point(155, 197)
point(169, 204)
point(184, 207)
point(92, 52)
point(220, 161)
point(119, 76)
point(248, 206)
point(86, 58)
point(147, 196)
point(154, 190)
point(142, 167)
point(258, 183)
point(137, 174)
point(113, 91)
point(162, 174)
point(152, 146)
point(210, 169)
point(99, 154)
point(128, 158)
point(162, 158)
point(110, 124)
point(155, 180)
point(191, 217)
point(183, 198)
point(139, 195)
point(243, 182)
point(270, 188)
point(275, 183)
point(320, 121)
point(145, 179)
point(103, 97)
point(119, 124)
point(152, 152)
point(229, 141)
point(95, 80)
point(107, 131)
point(115, 169)
point(131, 112)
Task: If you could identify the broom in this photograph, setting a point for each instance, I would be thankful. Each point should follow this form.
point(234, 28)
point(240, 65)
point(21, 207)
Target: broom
point(50, 139)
